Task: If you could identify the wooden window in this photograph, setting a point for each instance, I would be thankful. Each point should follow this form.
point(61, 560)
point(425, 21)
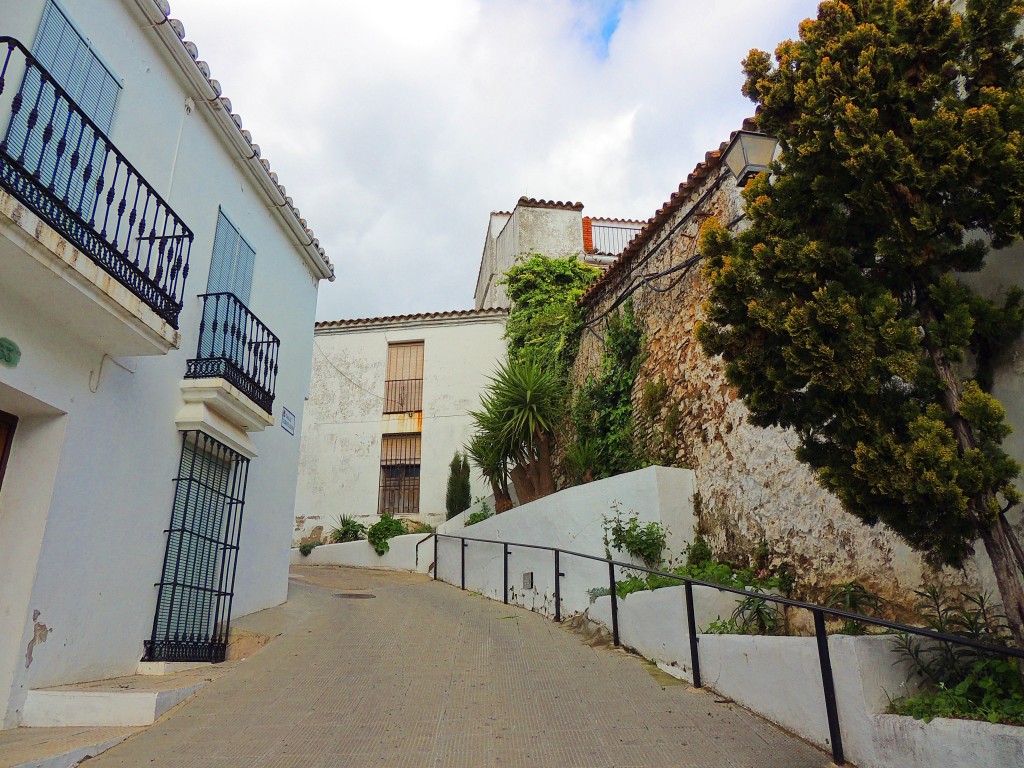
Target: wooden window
point(403, 387)
point(7, 424)
point(399, 475)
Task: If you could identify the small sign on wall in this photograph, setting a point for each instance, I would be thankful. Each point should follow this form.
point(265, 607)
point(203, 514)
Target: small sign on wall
point(10, 354)
point(288, 421)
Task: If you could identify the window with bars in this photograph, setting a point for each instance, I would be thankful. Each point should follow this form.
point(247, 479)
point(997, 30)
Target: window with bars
point(197, 585)
point(403, 387)
point(399, 475)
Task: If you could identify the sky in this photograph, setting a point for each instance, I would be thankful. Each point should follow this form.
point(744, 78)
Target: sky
point(398, 125)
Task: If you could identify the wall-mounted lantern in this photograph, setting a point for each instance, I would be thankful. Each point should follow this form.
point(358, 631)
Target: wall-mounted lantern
point(748, 154)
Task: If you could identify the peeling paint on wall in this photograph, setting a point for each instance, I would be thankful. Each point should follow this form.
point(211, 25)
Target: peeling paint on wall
point(39, 634)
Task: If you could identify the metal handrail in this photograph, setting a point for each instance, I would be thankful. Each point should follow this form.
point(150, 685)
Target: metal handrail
point(131, 232)
point(819, 612)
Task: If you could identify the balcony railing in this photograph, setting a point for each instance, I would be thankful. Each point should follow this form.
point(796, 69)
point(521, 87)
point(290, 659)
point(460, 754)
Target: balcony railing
point(235, 346)
point(62, 166)
point(403, 395)
point(612, 241)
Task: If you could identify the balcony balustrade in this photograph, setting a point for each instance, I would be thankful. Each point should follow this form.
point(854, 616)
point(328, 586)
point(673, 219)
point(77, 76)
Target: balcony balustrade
point(235, 346)
point(612, 240)
point(58, 163)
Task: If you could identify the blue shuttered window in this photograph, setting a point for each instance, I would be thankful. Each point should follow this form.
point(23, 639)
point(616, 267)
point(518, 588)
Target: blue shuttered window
point(230, 272)
point(67, 55)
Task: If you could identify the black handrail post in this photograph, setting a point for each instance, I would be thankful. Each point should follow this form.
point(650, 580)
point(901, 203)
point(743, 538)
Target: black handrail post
point(505, 593)
point(615, 603)
point(464, 545)
point(831, 710)
point(558, 588)
point(435, 557)
point(691, 627)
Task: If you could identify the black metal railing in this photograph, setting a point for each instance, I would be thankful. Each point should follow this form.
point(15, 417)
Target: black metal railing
point(819, 612)
point(62, 166)
point(192, 621)
point(236, 346)
point(611, 240)
point(403, 395)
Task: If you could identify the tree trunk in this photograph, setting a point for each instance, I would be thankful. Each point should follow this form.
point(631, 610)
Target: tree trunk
point(544, 471)
point(525, 489)
point(1010, 589)
point(1011, 538)
point(502, 500)
point(997, 545)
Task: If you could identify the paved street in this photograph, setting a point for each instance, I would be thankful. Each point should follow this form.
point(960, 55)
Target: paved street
point(422, 674)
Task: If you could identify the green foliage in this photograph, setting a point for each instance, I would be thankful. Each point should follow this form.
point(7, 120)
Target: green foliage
point(644, 542)
point(709, 571)
point(722, 626)
point(347, 529)
point(479, 516)
point(545, 317)
point(854, 597)
point(960, 681)
point(457, 496)
point(580, 460)
point(385, 528)
point(698, 553)
point(307, 547)
point(757, 616)
point(602, 412)
point(413, 526)
point(837, 311)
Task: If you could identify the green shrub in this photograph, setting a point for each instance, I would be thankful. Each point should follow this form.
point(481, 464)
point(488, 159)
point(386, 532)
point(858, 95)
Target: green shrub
point(854, 597)
point(457, 496)
point(413, 526)
point(386, 528)
point(644, 542)
point(479, 516)
point(698, 553)
point(347, 529)
point(307, 547)
point(960, 681)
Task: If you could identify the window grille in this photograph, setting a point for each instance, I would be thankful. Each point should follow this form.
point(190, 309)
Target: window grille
point(194, 602)
point(403, 388)
point(399, 475)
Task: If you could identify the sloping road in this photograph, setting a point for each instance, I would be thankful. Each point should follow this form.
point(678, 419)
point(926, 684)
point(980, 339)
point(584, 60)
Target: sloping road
point(423, 675)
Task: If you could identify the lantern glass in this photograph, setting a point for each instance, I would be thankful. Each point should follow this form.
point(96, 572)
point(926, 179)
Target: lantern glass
point(749, 154)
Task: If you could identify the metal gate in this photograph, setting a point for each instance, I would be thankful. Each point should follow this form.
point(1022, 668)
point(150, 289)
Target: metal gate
point(193, 607)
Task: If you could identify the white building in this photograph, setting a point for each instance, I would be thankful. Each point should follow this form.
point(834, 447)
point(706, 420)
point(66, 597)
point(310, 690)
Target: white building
point(157, 298)
point(388, 407)
point(555, 229)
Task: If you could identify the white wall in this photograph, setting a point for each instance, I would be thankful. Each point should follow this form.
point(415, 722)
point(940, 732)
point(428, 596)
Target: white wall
point(339, 470)
point(571, 519)
point(91, 542)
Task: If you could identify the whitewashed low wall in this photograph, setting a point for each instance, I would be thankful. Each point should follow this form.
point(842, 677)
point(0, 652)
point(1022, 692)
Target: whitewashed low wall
point(780, 679)
point(400, 557)
point(572, 519)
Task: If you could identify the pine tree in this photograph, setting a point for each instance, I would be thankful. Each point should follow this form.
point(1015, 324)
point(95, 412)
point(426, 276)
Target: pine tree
point(839, 312)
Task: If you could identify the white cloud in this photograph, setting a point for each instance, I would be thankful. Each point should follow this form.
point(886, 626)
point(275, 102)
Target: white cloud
point(397, 126)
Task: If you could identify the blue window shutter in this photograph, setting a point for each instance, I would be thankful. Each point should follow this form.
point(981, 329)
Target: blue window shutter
point(67, 56)
point(232, 264)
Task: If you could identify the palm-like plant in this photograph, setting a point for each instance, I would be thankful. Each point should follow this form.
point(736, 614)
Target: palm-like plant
point(515, 427)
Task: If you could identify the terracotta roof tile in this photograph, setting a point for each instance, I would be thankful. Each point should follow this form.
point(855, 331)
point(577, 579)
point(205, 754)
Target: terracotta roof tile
point(485, 312)
point(204, 69)
point(712, 161)
point(530, 202)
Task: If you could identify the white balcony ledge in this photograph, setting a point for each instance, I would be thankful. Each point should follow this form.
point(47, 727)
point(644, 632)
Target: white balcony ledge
point(71, 292)
point(223, 412)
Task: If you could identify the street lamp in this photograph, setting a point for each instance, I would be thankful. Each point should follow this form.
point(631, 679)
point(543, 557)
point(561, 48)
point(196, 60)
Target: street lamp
point(748, 154)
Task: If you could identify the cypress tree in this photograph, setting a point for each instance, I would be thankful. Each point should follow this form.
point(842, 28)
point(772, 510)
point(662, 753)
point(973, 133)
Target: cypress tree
point(840, 312)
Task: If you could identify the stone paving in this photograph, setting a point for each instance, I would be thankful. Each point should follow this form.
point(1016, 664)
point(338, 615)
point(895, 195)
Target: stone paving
point(422, 674)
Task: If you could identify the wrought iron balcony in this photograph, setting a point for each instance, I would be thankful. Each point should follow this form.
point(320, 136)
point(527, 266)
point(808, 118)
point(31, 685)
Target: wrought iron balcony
point(61, 165)
point(235, 346)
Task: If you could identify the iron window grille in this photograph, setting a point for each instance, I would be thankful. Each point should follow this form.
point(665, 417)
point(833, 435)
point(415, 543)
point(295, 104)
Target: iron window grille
point(196, 588)
point(403, 388)
point(59, 163)
point(399, 475)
